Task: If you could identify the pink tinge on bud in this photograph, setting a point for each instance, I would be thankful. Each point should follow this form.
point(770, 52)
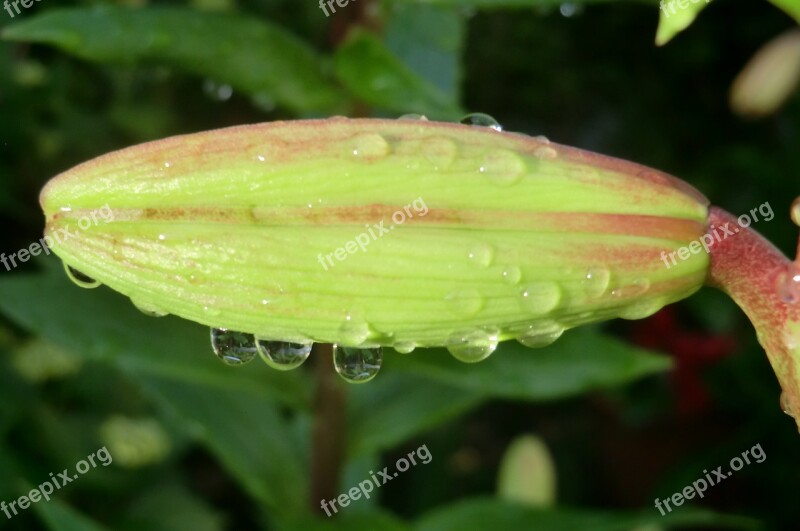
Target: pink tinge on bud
point(788, 284)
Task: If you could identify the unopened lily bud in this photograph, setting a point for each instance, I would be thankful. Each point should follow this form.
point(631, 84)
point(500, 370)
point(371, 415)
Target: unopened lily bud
point(369, 233)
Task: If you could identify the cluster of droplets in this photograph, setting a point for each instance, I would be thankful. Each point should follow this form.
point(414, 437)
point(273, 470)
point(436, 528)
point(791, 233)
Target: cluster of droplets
point(354, 365)
point(788, 282)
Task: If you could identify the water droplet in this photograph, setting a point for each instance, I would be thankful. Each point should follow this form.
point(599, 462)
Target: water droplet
point(596, 280)
point(472, 346)
point(540, 334)
point(147, 308)
point(795, 212)
point(217, 91)
point(542, 139)
point(502, 167)
point(439, 151)
point(414, 116)
point(233, 348)
point(404, 347)
point(357, 365)
point(512, 275)
point(570, 9)
point(785, 404)
point(540, 298)
point(545, 153)
point(80, 279)
point(283, 355)
point(788, 284)
point(634, 289)
point(481, 255)
point(641, 309)
point(480, 119)
point(353, 331)
point(368, 146)
point(209, 310)
point(465, 302)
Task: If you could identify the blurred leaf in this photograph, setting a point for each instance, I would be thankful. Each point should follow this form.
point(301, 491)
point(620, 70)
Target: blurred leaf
point(101, 325)
point(57, 516)
point(429, 40)
point(581, 360)
point(347, 521)
point(248, 54)
point(527, 473)
point(673, 19)
point(399, 407)
point(792, 7)
point(495, 514)
point(376, 76)
point(171, 507)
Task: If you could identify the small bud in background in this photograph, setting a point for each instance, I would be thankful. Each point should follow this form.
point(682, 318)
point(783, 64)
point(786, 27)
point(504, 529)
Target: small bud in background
point(135, 442)
point(528, 473)
point(770, 78)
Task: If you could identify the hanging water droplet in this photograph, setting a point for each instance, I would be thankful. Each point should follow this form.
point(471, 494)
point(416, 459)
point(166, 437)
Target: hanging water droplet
point(596, 281)
point(540, 334)
point(353, 331)
point(502, 167)
point(634, 289)
point(357, 365)
point(465, 302)
point(233, 348)
point(283, 355)
point(540, 298)
point(641, 309)
point(147, 308)
point(368, 146)
point(545, 153)
point(795, 212)
point(472, 346)
point(512, 275)
point(80, 279)
point(788, 284)
point(480, 119)
point(404, 347)
point(481, 255)
point(414, 116)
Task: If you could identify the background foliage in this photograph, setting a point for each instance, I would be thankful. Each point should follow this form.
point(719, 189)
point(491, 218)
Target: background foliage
point(629, 411)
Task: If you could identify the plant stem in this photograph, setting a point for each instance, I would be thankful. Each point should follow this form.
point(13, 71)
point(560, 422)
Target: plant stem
point(766, 285)
point(328, 436)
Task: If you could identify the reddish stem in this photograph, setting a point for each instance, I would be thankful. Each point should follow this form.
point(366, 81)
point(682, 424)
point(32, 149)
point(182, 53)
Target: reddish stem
point(766, 285)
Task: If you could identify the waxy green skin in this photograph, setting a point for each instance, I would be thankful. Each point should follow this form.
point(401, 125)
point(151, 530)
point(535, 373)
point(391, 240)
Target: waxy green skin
point(519, 236)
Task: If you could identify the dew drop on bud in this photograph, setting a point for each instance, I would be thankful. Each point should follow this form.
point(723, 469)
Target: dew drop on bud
point(481, 255)
point(283, 355)
point(596, 280)
point(414, 116)
point(540, 334)
point(795, 212)
point(480, 119)
point(233, 348)
point(785, 404)
point(472, 346)
point(357, 365)
point(404, 347)
point(80, 279)
point(147, 308)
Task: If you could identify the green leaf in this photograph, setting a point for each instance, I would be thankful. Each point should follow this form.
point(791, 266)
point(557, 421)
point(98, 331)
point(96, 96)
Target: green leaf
point(376, 76)
point(171, 507)
point(673, 19)
point(792, 7)
point(102, 326)
point(581, 360)
point(346, 521)
point(58, 516)
point(495, 514)
point(399, 407)
point(250, 55)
